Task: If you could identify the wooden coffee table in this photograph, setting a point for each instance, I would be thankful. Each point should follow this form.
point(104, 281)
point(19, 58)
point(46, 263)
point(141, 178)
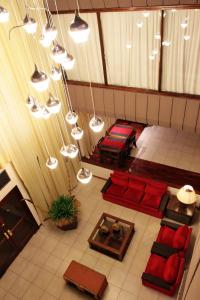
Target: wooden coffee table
point(176, 211)
point(112, 243)
point(86, 279)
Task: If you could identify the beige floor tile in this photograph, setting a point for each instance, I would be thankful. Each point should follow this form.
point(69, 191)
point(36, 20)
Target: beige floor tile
point(43, 279)
point(19, 287)
point(117, 277)
point(28, 252)
point(47, 296)
point(19, 265)
point(49, 245)
point(40, 257)
point(103, 267)
point(9, 297)
point(56, 286)
point(111, 292)
point(61, 250)
point(89, 260)
point(124, 295)
point(30, 272)
point(132, 284)
point(52, 263)
point(33, 293)
point(2, 293)
point(8, 279)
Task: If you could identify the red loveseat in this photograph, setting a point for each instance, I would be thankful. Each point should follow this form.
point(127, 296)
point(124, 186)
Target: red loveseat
point(174, 236)
point(164, 271)
point(142, 194)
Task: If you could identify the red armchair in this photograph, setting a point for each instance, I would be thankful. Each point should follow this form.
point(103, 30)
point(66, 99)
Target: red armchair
point(174, 236)
point(164, 271)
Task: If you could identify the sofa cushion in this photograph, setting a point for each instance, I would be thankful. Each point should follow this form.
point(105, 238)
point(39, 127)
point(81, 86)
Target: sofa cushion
point(153, 190)
point(167, 235)
point(151, 200)
point(171, 268)
point(122, 181)
point(180, 237)
point(116, 190)
point(136, 185)
point(133, 195)
point(155, 265)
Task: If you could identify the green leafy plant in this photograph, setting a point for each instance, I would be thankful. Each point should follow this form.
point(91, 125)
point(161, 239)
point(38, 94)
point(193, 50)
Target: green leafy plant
point(64, 207)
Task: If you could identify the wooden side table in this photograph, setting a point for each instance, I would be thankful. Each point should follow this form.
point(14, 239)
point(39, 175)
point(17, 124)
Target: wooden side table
point(178, 212)
point(86, 279)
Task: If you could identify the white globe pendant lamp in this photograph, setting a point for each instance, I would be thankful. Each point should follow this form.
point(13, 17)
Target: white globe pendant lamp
point(30, 25)
point(68, 62)
point(72, 151)
point(44, 41)
point(30, 101)
point(50, 32)
point(63, 151)
point(56, 73)
point(39, 80)
point(37, 110)
point(4, 15)
point(96, 124)
point(51, 163)
point(46, 113)
point(71, 117)
point(79, 29)
point(84, 175)
point(53, 104)
point(58, 53)
point(77, 133)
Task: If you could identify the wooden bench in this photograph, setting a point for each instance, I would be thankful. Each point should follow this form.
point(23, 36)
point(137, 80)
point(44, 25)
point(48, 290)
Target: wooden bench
point(86, 279)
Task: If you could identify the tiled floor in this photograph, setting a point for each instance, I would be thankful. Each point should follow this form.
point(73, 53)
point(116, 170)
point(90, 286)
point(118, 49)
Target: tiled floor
point(169, 146)
point(37, 271)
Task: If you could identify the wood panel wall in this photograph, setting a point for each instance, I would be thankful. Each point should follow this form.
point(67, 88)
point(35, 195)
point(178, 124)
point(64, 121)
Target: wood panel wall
point(180, 113)
point(95, 4)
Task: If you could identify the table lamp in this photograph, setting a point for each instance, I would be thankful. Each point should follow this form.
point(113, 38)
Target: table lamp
point(186, 195)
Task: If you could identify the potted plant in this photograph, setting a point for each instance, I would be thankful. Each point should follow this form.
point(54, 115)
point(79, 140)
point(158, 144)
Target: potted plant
point(63, 212)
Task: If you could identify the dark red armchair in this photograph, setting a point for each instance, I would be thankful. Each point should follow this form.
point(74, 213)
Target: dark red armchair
point(164, 271)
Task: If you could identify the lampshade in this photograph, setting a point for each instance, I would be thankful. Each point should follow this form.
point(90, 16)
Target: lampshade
point(84, 175)
point(37, 110)
point(44, 41)
point(63, 151)
point(72, 150)
point(46, 113)
point(68, 62)
point(79, 30)
point(4, 15)
point(52, 162)
point(58, 53)
point(39, 80)
point(77, 133)
point(96, 124)
point(50, 32)
point(56, 73)
point(30, 25)
point(30, 101)
point(53, 104)
point(71, 117)
point(186, 195)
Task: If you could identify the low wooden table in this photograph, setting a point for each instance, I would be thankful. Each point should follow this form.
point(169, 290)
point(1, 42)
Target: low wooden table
point(112, 243)
point(86, 279)
point(178, 212)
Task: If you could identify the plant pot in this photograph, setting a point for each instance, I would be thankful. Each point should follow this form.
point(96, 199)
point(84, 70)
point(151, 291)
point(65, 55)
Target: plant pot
point(65, 224)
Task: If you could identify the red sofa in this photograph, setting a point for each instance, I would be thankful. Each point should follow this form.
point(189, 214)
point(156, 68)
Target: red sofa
point(172, 235)
point(164, 273)
point(142, 194)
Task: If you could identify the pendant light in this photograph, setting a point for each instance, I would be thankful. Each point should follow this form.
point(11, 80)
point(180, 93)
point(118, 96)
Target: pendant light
point(58, 53)
point(44, 42)
point(46, 113)
point(77, 133)
point(63, 151)
point(53, 104)
point(79, 29)
point(96, 124)
point(39, 80)
point(30, 25)
point(68, 62)
point(72, 151)
point(4, 15)
point(50, 32)
point(37, 110)
point(56, 73)
point(52, 162)
point(84, 175)
point(30, 101)
point(71, 117)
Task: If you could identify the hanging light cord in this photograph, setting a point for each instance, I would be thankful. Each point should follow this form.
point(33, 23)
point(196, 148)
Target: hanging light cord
point(77, 3)
point(63, 40)
point(89, 79)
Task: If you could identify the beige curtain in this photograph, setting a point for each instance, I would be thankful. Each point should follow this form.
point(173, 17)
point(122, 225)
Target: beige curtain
point(128, 48)
point(22, 137)
point(91, 48)
point(181, 59)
